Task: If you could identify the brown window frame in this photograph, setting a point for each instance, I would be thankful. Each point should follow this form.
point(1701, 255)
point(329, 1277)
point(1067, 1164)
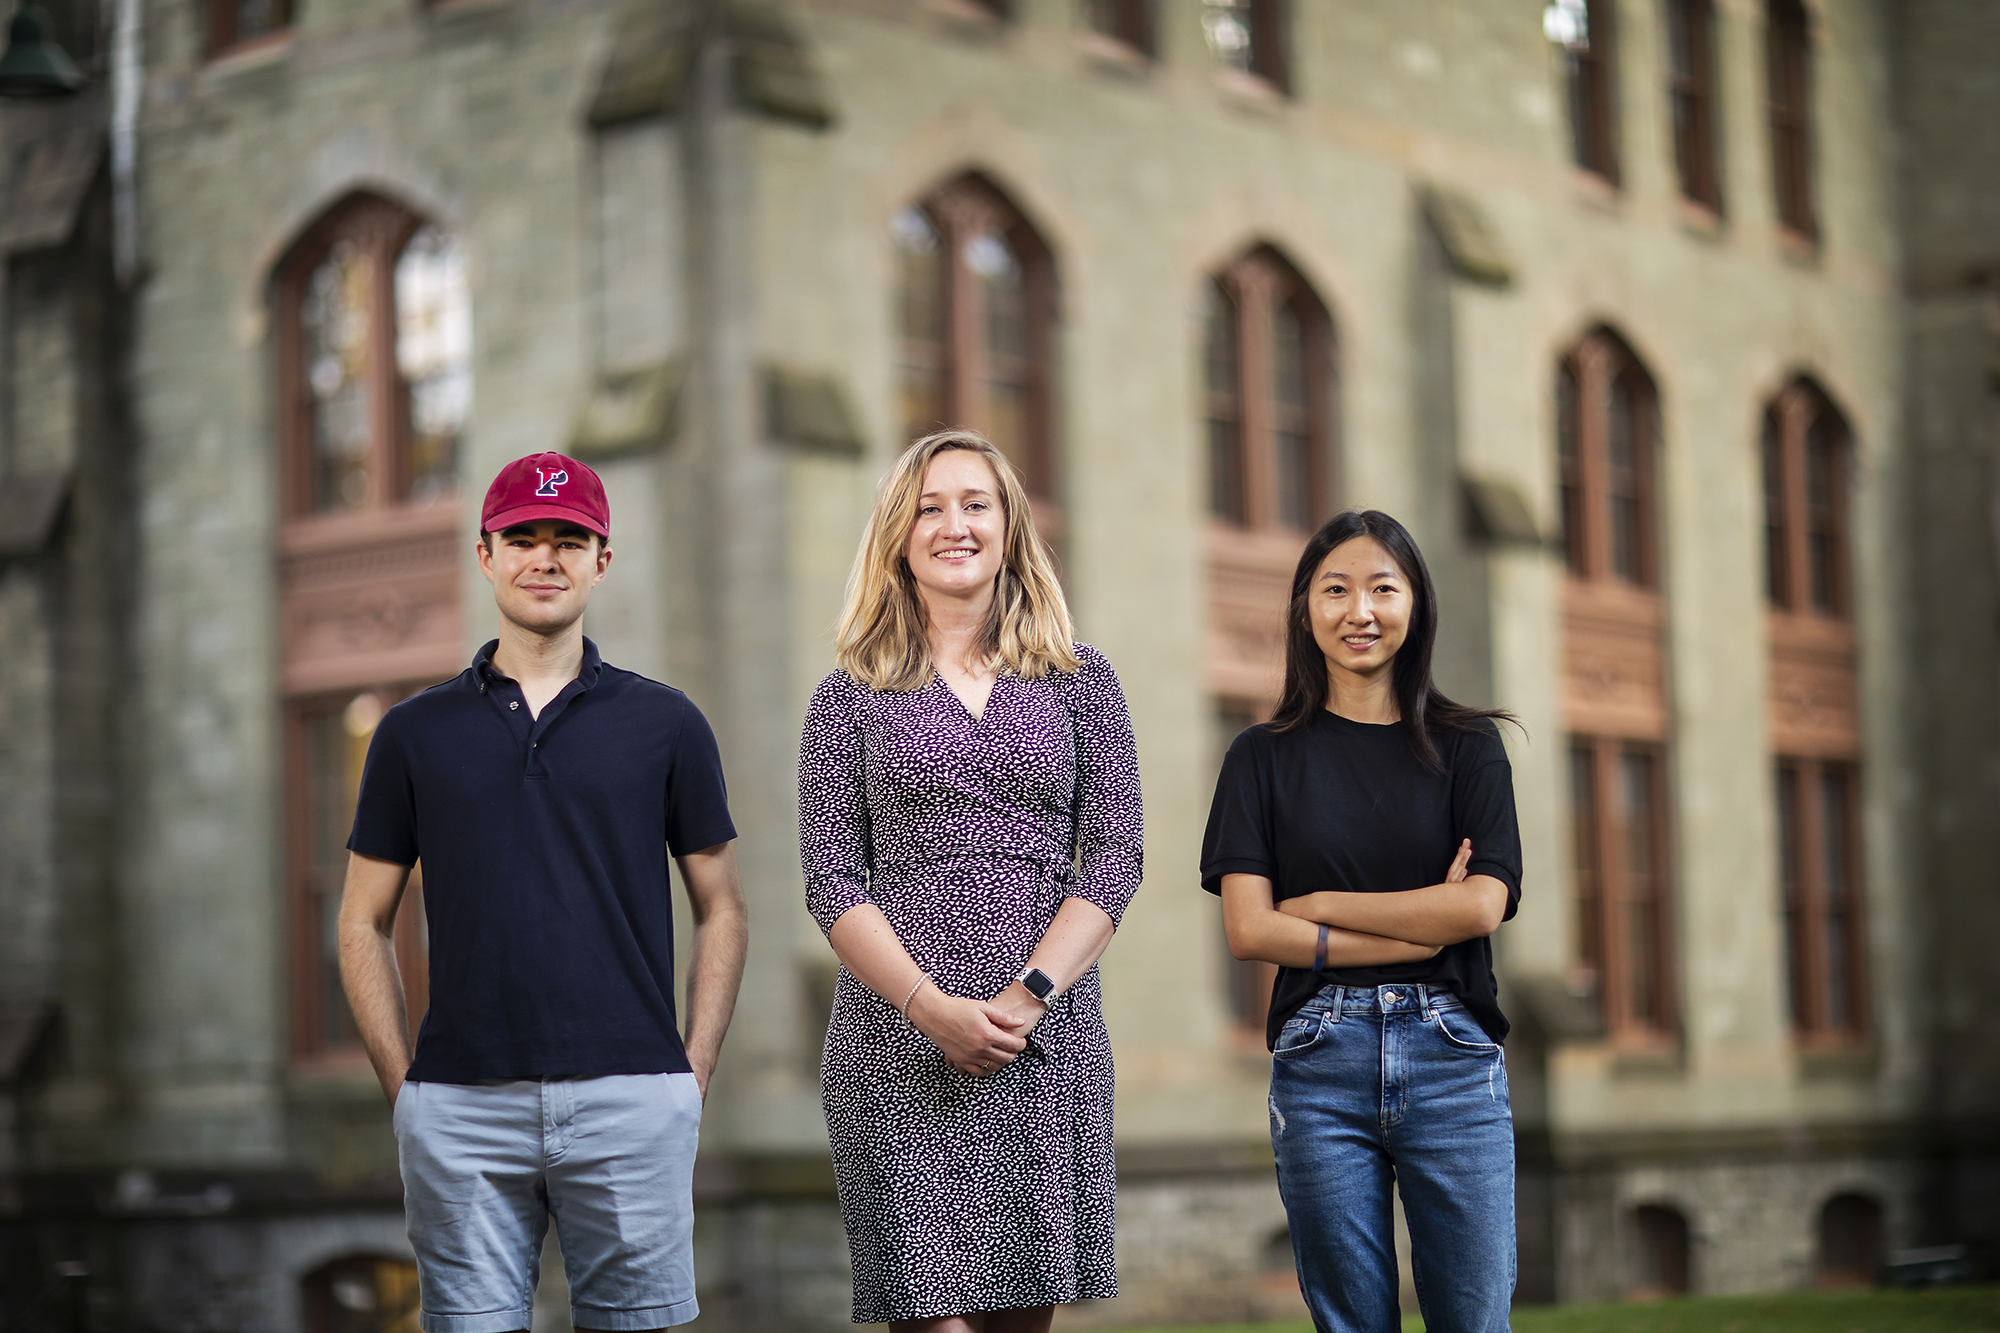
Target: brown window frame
point(1626, 962)
point(381, 230)
point(224, 19)
point(1245, 419)
point(314, 972)
point(1691, 97)
point(1592, 67)
point(1788, 73)
point(1615, 705)
point(1826, 955)
point(1130, 23)
point(959, 211)
point(380, 576)
point(1807, 543)
point(1592, 381)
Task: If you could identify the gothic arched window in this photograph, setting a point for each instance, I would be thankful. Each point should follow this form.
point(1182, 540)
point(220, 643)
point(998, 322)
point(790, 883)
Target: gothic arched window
point(976, 321)
point(1615, 697)
point(1806, 450)
point(373, 322)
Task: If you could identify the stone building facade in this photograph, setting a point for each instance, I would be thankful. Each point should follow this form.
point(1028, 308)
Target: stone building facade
point(1672, 328)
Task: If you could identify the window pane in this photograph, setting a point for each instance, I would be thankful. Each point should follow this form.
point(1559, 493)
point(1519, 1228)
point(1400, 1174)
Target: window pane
point(1589, 57)
point(1129, 21)
point(1792, 892)
point(433, 358)
point(254, 18)
point(1638, 798)
point(1220, 369)
point(1003, 301)
point(1625, 475)
point(338, 314)
point(1837, 944)
point(920, 322)
point(1824, 481)
point(336, 741)
point(1227, 25)
point(1584, 833)
point(1688, 54)
point(1291, 434)
point(1786, 32)
point(1569, 453)
point(1777, 576)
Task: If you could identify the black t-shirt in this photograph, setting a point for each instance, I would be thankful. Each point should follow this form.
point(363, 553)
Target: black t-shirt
point(544, 843)
point(1349, 807)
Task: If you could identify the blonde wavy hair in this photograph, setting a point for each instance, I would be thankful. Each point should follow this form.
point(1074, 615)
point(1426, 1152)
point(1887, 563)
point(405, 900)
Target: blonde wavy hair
point(881, 640)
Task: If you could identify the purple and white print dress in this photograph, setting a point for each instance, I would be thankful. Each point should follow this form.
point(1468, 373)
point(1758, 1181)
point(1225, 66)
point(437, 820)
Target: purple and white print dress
point(964, 1193)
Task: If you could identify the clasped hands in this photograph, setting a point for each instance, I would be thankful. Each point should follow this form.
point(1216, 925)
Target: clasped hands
point(977, 1037)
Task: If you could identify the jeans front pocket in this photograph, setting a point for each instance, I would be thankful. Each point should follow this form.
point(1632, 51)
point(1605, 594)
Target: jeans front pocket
point(1300, 1034)
point(1457, 1028)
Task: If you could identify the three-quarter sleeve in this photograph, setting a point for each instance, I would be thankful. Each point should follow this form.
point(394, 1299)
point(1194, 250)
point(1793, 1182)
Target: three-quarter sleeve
point(1110, 820)
point(833, 804)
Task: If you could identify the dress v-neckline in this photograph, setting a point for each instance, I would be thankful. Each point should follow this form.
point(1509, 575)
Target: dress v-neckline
point(978, 718)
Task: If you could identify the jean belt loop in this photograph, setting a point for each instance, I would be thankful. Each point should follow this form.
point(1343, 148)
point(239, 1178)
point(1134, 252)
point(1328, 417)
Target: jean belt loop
point(1339, 1002)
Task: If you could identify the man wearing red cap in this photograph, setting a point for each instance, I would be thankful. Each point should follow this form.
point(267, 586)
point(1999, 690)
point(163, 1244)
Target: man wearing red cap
point(544, 790)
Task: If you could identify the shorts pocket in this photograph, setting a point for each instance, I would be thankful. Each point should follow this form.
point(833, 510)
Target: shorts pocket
point(403, 1107)
point(1300, 1034)
point(1457, 1028)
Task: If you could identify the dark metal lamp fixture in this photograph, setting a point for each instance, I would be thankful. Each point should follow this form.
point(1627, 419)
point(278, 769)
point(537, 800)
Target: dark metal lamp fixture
point(35, 65)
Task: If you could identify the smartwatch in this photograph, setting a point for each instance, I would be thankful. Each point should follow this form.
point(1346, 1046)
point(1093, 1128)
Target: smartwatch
point(1037, 983)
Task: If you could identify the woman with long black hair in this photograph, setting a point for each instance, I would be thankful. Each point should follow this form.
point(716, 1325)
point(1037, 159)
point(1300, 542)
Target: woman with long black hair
point(1364, 840)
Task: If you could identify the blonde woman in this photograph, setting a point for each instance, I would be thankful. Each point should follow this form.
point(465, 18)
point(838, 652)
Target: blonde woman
point(969, 827)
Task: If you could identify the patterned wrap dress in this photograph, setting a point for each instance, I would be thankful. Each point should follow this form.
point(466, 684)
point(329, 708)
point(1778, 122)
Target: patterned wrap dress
point(963, 1193)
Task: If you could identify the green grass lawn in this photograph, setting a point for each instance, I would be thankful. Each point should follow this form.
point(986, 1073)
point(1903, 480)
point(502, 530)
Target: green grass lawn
point(1954, 1310)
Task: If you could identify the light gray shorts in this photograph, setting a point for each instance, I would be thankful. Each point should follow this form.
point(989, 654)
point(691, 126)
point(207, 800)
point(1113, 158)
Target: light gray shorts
point(485, 1165)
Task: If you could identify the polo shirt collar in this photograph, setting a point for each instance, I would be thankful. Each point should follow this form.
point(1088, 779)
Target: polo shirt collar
point(486, 675)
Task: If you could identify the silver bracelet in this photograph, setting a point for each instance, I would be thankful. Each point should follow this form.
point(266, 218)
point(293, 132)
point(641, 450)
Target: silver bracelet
point(904, 1009)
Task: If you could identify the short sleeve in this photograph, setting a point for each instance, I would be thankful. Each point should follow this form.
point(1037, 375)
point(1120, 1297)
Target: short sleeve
point(1482, 799)
point(1238, 840)
point(385, 816)
point(833, 809)
point(697, 797)
point(1110, 816)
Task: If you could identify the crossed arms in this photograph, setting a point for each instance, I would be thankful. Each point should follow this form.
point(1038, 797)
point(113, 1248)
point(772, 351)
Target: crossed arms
point(1366, 929)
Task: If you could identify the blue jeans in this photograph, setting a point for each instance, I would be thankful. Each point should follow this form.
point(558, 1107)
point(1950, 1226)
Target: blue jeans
point(1395, 1085)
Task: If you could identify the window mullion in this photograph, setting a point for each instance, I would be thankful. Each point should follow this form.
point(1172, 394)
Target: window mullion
point(1613, 906)
point(1593, 419)
point(383, 487)
point(1255, 301)
point(1812, 897)
point(1794, 416)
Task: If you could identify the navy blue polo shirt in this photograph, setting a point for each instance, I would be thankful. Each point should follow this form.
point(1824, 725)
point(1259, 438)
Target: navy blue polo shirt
point(545, 842)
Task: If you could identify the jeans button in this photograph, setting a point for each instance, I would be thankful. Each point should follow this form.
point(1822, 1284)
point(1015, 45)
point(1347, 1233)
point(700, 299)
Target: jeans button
point(1390, 996)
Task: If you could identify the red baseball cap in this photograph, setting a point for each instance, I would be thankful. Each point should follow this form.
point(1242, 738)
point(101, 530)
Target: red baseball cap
point(543, 486)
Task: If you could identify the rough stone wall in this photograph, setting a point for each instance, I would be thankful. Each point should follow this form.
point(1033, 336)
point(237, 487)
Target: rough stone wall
point(1947, 55)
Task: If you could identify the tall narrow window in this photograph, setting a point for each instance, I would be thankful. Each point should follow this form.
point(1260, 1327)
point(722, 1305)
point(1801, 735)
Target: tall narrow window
point(1251, 36)
point(1128, 22)
point(1607, 428)
point(1268, 368)
point(373, 317)
point(976, 310)
point(235, 23)
point(1691, 93)
point(1788, 44)
point(1815, 729)
point(1593, 102)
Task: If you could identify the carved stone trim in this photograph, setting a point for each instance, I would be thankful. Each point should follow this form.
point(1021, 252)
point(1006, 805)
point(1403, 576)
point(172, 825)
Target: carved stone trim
point(1249, 582)
point(370, 598)
point(1814, 701)
point(1614, 676)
